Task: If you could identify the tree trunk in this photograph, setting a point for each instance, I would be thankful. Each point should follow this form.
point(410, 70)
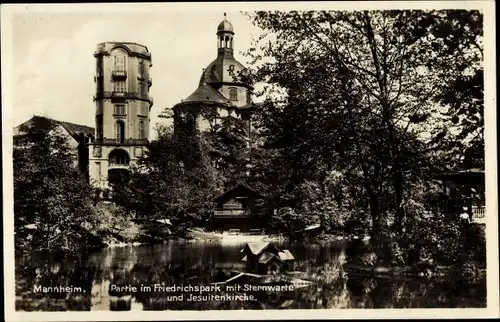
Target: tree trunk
point(375, 214)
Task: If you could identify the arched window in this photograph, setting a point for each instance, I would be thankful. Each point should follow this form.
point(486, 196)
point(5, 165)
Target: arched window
point(120, 132)
point(118, 157)
point(233, 94)
point(227, 42)
point(120, 61)
point(221, 43)
point(142, 132)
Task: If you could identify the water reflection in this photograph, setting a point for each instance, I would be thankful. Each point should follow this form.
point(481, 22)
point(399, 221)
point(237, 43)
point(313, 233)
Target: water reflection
point(103, 278)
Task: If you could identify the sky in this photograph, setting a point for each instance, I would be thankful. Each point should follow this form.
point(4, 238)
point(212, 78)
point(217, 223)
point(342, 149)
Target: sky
point(54, 67)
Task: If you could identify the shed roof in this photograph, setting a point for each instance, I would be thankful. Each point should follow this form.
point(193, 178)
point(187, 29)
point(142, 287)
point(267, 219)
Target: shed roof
point(256, 248)
point(266, 257)
point(285, 255)
point(241, 187)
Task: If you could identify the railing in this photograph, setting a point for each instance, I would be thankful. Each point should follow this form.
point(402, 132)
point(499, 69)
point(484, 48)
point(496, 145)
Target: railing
point(124, 94)
point(230, 213)
point(124, 142)
point(118, 94)
point(119, 74)
point(478, 212)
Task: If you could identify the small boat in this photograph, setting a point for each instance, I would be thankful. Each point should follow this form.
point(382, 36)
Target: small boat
point(276, 279)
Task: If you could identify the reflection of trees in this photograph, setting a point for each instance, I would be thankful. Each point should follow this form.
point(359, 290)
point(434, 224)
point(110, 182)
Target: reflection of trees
point(197, 265)
point(52, 270)
point(414, 293)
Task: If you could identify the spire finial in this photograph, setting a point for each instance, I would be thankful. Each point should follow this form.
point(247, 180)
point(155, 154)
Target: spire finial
point(225, 16)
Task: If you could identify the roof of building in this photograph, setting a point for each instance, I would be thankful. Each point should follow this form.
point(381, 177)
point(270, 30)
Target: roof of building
point(130, 47)
point(205, 94)
point(72, 128)
point(256, 248)
point(285, 255)
point(240, 186)
point(266, 257)
point(224, 69)
point(225, 26)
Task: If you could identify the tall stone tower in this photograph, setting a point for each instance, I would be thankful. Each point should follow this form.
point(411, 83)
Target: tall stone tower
point(123, 105)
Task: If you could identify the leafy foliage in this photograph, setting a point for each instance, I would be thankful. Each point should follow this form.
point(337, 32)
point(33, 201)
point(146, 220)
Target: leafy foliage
point(174, 180)
point(53, 201)
point(371, 95)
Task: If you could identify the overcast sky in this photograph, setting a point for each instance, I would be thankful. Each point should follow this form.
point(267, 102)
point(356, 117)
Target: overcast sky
point(54, 66)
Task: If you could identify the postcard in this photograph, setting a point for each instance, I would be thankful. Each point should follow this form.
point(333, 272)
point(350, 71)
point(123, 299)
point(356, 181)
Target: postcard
point(249, 160)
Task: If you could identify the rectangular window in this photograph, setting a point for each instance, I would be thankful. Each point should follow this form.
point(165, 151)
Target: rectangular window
point(248, 97)
point(142, 133)
point(97, 152)
point(120, 132)
point(140, 86)
point(98, 122)
point(142, 70)
point(120, 109)
point(119, 86)
point(120, 62)
point(99, 171)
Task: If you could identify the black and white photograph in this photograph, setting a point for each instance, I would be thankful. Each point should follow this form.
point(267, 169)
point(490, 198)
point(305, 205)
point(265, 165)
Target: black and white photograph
point(246, 159)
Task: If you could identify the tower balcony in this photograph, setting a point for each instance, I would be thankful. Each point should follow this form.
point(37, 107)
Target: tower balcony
point(124, 95)
point(118, 94)
point(119, 74)
point(123, 142)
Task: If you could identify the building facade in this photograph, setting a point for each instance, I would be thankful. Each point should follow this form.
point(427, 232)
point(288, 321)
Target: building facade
point(123, 108)
point(221, 91)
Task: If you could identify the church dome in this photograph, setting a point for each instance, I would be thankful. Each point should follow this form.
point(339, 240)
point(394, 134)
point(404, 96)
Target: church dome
point(225, 26)
point(224, 69)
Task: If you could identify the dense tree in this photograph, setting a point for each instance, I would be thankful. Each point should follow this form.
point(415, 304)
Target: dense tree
point(174, 180)
point(54, 205)
point(362, 92)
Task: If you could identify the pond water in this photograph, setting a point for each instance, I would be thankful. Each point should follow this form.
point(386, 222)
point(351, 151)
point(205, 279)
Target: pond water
point(92, 282)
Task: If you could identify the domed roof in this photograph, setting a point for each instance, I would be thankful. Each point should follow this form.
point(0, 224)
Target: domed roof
point(207, 95)
point(225, 26)
point(224, 69)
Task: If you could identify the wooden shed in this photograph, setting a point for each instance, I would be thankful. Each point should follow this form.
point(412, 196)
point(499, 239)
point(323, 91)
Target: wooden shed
point(265, 258)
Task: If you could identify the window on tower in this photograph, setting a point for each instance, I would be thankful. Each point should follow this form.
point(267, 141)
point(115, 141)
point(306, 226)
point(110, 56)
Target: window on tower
point(142, 70)
point(120, 61)
point(233, 94)
point(119, 86)
point(98, 122)
point(140, 86)
point(120, 132)
point(142, 132)
point(120, 109)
